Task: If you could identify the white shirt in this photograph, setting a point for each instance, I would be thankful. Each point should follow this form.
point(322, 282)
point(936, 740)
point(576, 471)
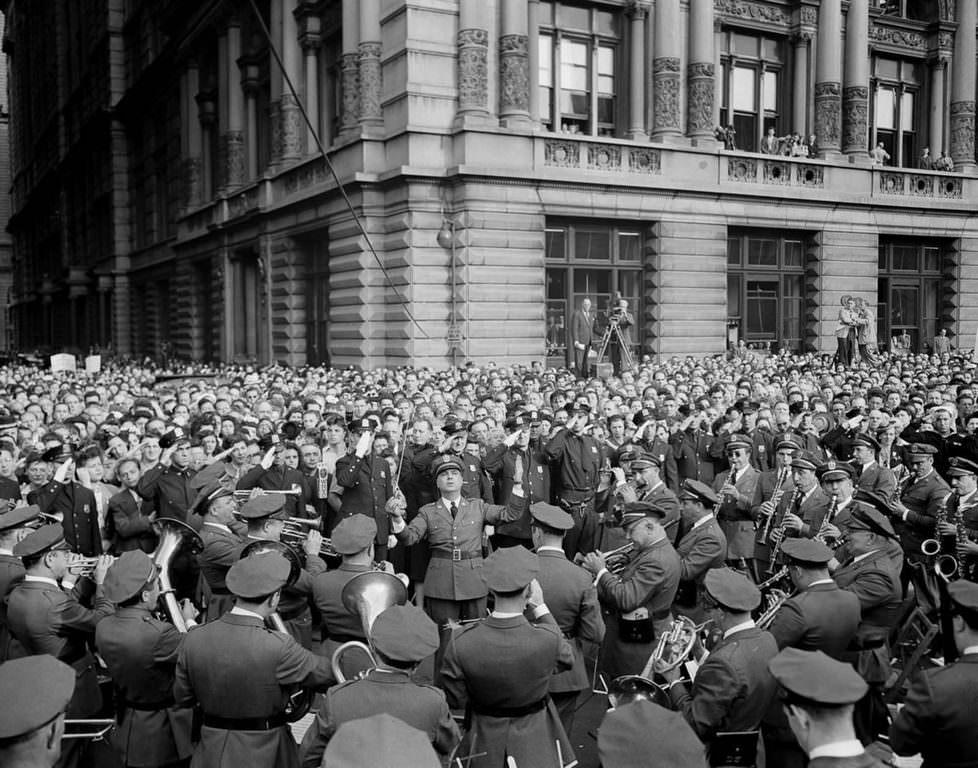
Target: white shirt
point(749, 624)
point(821, 581)
point(847, 748)
point(236, 611)
point(5, 551)
point(702, 521)
point(863, 556)
point(43, 580)
point(970, 649)
point(538, 612)
point(546, 548)
point(220, 527)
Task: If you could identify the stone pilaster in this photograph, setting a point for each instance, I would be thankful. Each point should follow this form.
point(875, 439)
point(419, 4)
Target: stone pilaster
point(666, 72)
point(855, 107)
point(370, 83)
point(700, 74)
point(350, 74)
point(290, 120)
point(828, 107)
point(855, 95)
point(473, 72)
point(192, 182)
point(233, 159)
point(963, 90)
point(514, 79)
point(828, 79)
point(637, 12)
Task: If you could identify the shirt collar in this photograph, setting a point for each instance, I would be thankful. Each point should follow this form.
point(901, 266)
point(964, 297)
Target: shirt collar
point(847, 748)
point(546, 548)
point(5, 551)
point(238, 611)
point(219, 526)
point(702, 521)
point(821, 581)
point(749, 624)
point(42, 580)
point(970, 649)
point(448, 504)
point(504, 615)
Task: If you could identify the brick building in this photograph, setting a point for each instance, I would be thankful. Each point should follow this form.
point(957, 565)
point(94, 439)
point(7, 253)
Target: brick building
point(506, 158)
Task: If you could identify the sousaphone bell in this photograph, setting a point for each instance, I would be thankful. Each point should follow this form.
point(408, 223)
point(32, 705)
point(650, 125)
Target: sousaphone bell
point(367, 595)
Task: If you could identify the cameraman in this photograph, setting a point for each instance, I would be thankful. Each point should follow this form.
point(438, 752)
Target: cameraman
point(619, 317)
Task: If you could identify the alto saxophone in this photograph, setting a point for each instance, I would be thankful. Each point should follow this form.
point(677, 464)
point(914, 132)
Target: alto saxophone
point(932, 547)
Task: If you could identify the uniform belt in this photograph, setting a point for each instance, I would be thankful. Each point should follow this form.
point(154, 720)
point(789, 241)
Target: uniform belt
point(246, 723)
point(150, 707)
point(455, 554)
point(295, 613)
point(527, 709)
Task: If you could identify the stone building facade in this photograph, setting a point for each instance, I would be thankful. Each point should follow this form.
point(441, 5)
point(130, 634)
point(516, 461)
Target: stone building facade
point(504, 158)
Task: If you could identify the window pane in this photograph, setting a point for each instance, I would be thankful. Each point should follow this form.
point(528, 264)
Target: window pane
point(743, 89)
point(546, 12)
point(606, 60)
point(772, 50)
point(594, 284)
point(885, 109)
point(606, 110)
point(905, 257)
point(606, 23)
point(556, 328)
point(745, 45)
point(745, 127)
point(556, 283)
point(545, 65)
point(932, 259)
point(793, 310)
point(762, 253)
point(794, 254)
point(592, 244)
point(628, 286)
point(572, 17)
point(733, 251)
point(733, 295)
point(556, 244)
point(574, 103)
point(771, 91)
point(882, 257)
point(794, 286)
point(888, 68)
point(762, 309)
point(573, 65)
point(907, 112)
point(628, 246)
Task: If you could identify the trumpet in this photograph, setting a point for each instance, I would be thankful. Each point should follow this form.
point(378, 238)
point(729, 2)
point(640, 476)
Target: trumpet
point(83, 566)
point(615, 559)
point(242, 495)
point(294, 535)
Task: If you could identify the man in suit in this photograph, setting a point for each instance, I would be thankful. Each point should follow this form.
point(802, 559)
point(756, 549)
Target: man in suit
point(141, 652)
point(733, 688)
point(71, 502)
point(735, 487)
point(14, 526)
point(367, 484)
point(401, 638)
point(635, 602)
point(871, 476)
point(871, 576)
point(453, 526)
point(241, 673)
point(131, 516)
point(31, 737)
point(511, 713)
point(938, 715)
point(582, 333)
point(702, 547)
point(572, 599)
point(820, 694)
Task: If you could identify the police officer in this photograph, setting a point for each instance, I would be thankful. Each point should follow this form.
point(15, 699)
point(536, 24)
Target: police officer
point(141, 652)
point(401, 637)
point(241, 673)
point(30, 736)
point(702, 547)
point(167, 484)
point(733, 688)
point(572, 599)
point(71, 502)
point(646, 485)
point(636, 602)
point(511, 713)
point(820, 694)
point(938, 718)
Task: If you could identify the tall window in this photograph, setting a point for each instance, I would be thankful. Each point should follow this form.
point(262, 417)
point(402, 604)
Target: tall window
point(766, 288)
point(922, 10)
point(590, 260)
point(895, 107)
point(909, 291)
point(752, 75)
point(579, 68)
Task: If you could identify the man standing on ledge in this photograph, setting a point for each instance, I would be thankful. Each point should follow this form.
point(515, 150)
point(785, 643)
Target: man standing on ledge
point(582, 331)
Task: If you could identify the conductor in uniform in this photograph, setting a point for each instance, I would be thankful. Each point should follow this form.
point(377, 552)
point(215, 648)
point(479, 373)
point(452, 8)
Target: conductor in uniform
point(402, 636)
point(938, 718)
point(635, 603)
point(572, 600)
point(30, 736)
point(510, 714)
point(241, 673)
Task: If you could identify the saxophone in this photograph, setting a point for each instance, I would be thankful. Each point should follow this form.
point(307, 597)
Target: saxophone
point(775, 500)
point(932, 547)
point(782, 530)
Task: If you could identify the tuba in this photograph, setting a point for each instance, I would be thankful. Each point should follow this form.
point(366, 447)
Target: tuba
point(367, 595)
point(174, 535)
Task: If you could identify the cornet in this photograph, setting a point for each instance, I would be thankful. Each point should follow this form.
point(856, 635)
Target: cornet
point(616, 559)
point(294, 535)
point(83, 566)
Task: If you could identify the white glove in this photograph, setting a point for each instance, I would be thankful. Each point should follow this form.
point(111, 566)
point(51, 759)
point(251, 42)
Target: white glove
point(268, 459)
point(64, 472)
point(363, 444)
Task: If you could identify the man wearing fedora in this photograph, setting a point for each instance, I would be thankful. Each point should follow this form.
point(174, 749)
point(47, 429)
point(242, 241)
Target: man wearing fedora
point(845, 331)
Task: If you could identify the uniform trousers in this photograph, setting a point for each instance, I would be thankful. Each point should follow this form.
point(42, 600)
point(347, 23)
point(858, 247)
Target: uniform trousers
point(442, 612)
point(582, 538)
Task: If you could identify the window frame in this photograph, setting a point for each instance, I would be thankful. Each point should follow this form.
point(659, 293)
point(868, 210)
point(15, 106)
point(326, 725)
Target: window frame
point(760, 65)
point(923, 279)
point(902, 155)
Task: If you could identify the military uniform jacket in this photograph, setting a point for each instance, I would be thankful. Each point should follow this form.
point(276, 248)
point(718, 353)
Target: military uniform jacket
point(822, 618)
point(45, 619)
point(668, 469)
point(278, 479)
point(877, 479)
point(666, 500)
point(366, 486)
point(141, 654)
point(734, 514)
point(692, 451)
point(573, 601)
point(130, 523)
point(169, 490)
point(475, 482)
point(524, 656)
point(236, 668)
point(733, 688)
point(326, 590)
point(11, 574)
point(703, 547)
point(222, 549)
point(449, 578)
point(648, 584)
point(938, 716)
point(762, 455)
point(922, 498)
point(385, 691)
point(576, 463)
point(500, 462)
point(76, 503)
point(812, 509)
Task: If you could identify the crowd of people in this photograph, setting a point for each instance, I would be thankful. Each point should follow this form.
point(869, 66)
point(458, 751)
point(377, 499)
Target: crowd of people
point(553, 534)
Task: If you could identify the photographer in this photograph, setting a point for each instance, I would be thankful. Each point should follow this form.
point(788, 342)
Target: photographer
point(621, 319)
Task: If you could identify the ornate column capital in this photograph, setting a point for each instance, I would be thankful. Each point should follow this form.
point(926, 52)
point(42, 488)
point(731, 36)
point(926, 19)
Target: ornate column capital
point(637, 9)
point(310, 32)
point(206, 107)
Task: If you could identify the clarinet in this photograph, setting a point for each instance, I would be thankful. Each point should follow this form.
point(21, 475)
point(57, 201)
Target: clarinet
point(775, 499)
point(782, 529)
point(833, 508)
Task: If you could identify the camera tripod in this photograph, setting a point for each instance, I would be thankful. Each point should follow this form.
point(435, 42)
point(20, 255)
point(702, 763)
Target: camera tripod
point(626, 354)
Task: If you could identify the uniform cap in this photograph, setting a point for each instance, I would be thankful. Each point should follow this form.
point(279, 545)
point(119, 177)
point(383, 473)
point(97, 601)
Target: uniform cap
point(263, 505)
point(698, 491)
point(806, 551)
point(40, 541)
point(455, 427)
point(128, 575)
point(874, 501)
point(813, 677)
point(964, 594)
point(353, 534)
point(731, 589)
point(866, 518)
point(444, 463)
point(738, 441)
point(962, 466)
point(175, 436)
point(56, 452)
point(404, 633)
point(836, 470)
point(33, 691)
point(582, 405)
point(630, 734)
point(515, 422)
point(510, 569)
point(644, 460)
point(787, 441)
point(634, 511)
point(551, 516)
point(921, 450)
point(19, 516)
point(380, 741)
point(258, 575)
point(866, 440)
point(805, 460)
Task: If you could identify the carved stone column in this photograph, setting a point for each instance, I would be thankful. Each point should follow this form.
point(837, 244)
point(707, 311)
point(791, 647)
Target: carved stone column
point(935, 125)
point(232, 147)
point(533, 50)
point(700, 73)
point(310, 40)
point(473, 64)
point(371, 115)
point(350, 67)
point(963, 90)
point(799, 86)
point(514, 67)
point(207, 114)
point(666, 119)
point(637, 10)
point(828, 80)
point(290, 120)
point(191, 160)
point(855, 97)
point(250, 85)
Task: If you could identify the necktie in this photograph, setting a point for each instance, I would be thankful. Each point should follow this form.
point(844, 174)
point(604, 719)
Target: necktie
point(453, 509)
point(733, 476)
point(518, 471)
